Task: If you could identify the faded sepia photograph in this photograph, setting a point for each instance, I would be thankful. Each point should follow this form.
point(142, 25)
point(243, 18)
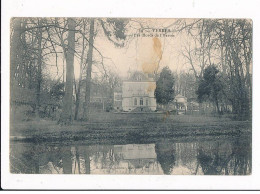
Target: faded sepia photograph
point(139, 96)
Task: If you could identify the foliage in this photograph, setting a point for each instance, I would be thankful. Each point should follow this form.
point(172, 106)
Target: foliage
point(164, 92)
point(210, 86)
point(57, 91)
point(115, 30)
point(228, 44)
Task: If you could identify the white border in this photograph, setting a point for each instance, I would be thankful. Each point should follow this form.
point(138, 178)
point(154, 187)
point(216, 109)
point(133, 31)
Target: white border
point(131, 8)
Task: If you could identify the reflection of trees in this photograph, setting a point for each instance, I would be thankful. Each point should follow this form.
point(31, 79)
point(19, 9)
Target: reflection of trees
point(104, 156)
point(165, 156)
point(241, 164)
point(24, 159)
point(66, 160)
point(211, 163)
point(213, 157)
point(50, 154)
point(53, 159)
point(83, 157)
point(80, 160)
point(225, 158)
point(108, 159)
point(186, 155)
point(87, 162)
point(35, 159)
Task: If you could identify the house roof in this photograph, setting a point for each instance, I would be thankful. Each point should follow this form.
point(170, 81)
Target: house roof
point(138, 76)
point(180, 96)
point(180, 99)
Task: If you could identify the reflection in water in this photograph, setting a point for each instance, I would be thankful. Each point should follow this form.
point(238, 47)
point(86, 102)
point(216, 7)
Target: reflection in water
point(124, 159)
point(166, 154)
point(163, 157)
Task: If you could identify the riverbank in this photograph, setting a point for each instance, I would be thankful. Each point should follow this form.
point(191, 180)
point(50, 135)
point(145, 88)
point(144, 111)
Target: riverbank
point(128, 127)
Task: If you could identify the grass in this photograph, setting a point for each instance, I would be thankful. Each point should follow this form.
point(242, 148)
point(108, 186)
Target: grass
point(126, 127)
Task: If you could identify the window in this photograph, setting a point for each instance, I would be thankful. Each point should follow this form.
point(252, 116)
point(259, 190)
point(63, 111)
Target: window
point(135, 102)
point(146, 101)
point(141, 102)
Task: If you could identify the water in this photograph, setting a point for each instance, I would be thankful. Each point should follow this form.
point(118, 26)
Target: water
point(217, 156)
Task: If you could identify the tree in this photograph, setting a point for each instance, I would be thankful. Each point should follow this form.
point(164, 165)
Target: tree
point(15, 48)
point(30, 50)
point(164, 92)
point(185, 84)
point(210, 86)
point(114, 30)
point(39, 67)
point(57, 92)
point(228, 44)
point(67, 117)
point(15, 53)
point(89, 70)
point(78, 89)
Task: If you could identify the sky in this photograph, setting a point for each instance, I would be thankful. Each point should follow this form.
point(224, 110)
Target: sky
point(147, 51)
point(144, 53)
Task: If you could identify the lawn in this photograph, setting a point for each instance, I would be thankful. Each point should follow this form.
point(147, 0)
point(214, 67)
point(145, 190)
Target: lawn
point(105, 125)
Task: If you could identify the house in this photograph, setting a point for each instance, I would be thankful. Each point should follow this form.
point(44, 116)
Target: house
point(136, 94)
point(179, 104)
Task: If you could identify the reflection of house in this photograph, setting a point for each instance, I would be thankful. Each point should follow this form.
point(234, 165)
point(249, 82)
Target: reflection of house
point(138, 157)
point(125, 159)
point(136, 151)
point(137, 93)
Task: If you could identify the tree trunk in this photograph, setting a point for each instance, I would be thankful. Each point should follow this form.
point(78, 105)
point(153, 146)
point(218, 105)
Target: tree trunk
point(78, 92)
point(77, 104)
point(14, 60)
point(89, 70)
point(66, 117)
point(217, 105)
point(39, 68)
point(15, 49)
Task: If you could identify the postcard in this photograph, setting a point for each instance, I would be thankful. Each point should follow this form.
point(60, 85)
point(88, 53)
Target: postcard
point(133, 96)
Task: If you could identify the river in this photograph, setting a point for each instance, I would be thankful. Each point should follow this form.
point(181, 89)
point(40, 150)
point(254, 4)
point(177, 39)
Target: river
point(217, 156)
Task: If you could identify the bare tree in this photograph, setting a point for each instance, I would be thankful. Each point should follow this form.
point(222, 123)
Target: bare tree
point(89, 70)
point(39, 67)
point(114, 29)
point(78, 90)
point(67, 116)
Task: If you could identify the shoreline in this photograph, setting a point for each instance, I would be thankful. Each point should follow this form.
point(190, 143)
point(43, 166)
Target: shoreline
point(99, 132)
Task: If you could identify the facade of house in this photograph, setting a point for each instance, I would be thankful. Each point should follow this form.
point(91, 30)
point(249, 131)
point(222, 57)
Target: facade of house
point(181, 102)
point(137, 93)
